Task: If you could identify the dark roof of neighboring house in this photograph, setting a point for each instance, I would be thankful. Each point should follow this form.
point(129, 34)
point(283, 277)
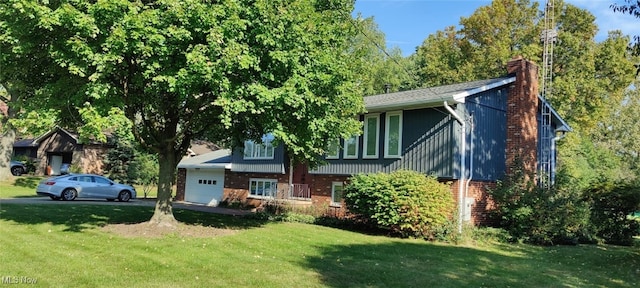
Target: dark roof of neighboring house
point(36, 141)
point(25, 143)
point(216, 159)
point(433, 96)
point(73, 136)
point(199, 147)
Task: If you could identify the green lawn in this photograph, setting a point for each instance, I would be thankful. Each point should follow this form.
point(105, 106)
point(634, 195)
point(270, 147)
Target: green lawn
point(19, 187)
point(25, 186)
point(63, 246)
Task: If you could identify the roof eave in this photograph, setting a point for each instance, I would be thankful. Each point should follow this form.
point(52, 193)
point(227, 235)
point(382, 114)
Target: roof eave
point(205, 166)
point(564, 126)
point(410, 105)
point(460, 97)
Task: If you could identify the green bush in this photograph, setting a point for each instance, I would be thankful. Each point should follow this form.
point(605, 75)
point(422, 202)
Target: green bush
point(536, 215)
point(405, 202)
point(611, 210)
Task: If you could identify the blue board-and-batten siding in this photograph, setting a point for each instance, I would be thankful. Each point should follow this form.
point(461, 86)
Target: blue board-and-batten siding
point(487, 142)
point(427, 147)
point(275, 165)
point(431, 142)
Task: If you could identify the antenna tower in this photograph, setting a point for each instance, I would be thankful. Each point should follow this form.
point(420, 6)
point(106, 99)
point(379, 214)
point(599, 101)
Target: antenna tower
point(548, 37)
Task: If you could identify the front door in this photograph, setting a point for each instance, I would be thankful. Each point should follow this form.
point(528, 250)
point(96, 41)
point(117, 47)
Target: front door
point(55, 163)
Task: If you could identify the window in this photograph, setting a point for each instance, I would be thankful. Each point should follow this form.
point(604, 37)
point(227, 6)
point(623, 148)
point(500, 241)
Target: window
point(334, 149)
point(371, 136)
point(263, 188)
point(337, 192)
point(264, 150)
point(351, 148)
point(207, 182)
point(393, 135)
point(101, 180)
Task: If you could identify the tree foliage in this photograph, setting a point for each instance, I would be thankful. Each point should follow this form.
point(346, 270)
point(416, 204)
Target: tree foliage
point(611, 207)
point(633, 9)
point(538, 215)
point(182, 70)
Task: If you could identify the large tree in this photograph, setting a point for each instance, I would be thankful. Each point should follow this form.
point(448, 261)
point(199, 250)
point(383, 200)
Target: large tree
point(589, 76)
point(589, 83)
point(631, 7)
point(188, 69)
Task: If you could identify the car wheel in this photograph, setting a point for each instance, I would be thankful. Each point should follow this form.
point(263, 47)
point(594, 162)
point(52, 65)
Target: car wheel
point(110, 199)
point(54, 197)
point(17, 171)
point(69, 194)
point(124, 196)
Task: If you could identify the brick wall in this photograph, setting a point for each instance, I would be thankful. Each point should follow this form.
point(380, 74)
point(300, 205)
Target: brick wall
point(482, 203)
point(321, 193)
point(236, 186)
point(522, 107)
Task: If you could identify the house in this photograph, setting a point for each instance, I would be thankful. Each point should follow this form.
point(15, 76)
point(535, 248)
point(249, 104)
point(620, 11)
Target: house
point(58, 148)
point(204, 177)
point(468, 134)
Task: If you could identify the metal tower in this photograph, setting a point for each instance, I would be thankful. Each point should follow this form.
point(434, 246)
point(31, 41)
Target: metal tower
point(545, 157)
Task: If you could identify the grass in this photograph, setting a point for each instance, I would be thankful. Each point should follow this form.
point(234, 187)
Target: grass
point(25, 187)
point(19, 187)
point(62, 246)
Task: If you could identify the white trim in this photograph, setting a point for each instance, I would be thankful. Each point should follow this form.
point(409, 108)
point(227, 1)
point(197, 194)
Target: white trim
point(346, 148)
point(263, 180)
point(365, 138)
point(266, 144)
point(333, 189)
point(460, 97)
point(386, 134)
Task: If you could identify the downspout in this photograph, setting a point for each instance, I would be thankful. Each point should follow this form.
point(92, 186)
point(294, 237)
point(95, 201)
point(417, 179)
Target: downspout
point(466, 188)
point(554, 149)
point(462, 166)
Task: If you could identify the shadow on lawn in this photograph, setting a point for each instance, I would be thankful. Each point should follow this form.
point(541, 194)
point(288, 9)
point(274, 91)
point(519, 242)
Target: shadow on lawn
point(27, 181)
point(405, 264)
point(77, 218)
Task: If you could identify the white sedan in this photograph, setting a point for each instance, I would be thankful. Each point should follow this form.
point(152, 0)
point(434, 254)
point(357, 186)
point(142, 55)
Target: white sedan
point(68, 187)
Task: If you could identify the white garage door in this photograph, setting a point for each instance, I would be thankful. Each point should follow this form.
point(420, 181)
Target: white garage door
point(204, 186)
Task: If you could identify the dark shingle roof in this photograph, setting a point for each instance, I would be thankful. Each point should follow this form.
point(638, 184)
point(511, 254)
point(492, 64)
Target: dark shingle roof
point(25, 143)
point(433, 96)
point(216, 159)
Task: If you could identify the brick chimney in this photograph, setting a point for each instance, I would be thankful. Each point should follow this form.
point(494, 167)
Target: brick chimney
point(522, 108)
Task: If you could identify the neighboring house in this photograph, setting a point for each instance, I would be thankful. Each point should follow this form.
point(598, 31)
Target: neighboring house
point(467, 134)
point(58, 148)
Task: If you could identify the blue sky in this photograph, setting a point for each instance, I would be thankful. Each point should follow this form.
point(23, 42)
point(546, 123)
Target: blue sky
point(406, 23)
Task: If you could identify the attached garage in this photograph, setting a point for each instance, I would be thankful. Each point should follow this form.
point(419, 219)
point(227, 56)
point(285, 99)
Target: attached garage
point(204, 177)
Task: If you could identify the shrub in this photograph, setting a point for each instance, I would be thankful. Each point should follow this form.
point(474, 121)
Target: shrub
point(536, 215)
point(373, 197)
point(405, 202)
point(611, 210)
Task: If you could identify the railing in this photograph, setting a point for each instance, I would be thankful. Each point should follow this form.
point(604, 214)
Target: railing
point(300, 192)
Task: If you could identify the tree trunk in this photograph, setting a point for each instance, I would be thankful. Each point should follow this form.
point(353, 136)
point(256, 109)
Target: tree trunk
point(8, 136)
point(6, 148)
point(163, 214)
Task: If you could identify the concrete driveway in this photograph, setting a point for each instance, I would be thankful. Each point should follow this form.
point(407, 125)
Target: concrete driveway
point(133, 202)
